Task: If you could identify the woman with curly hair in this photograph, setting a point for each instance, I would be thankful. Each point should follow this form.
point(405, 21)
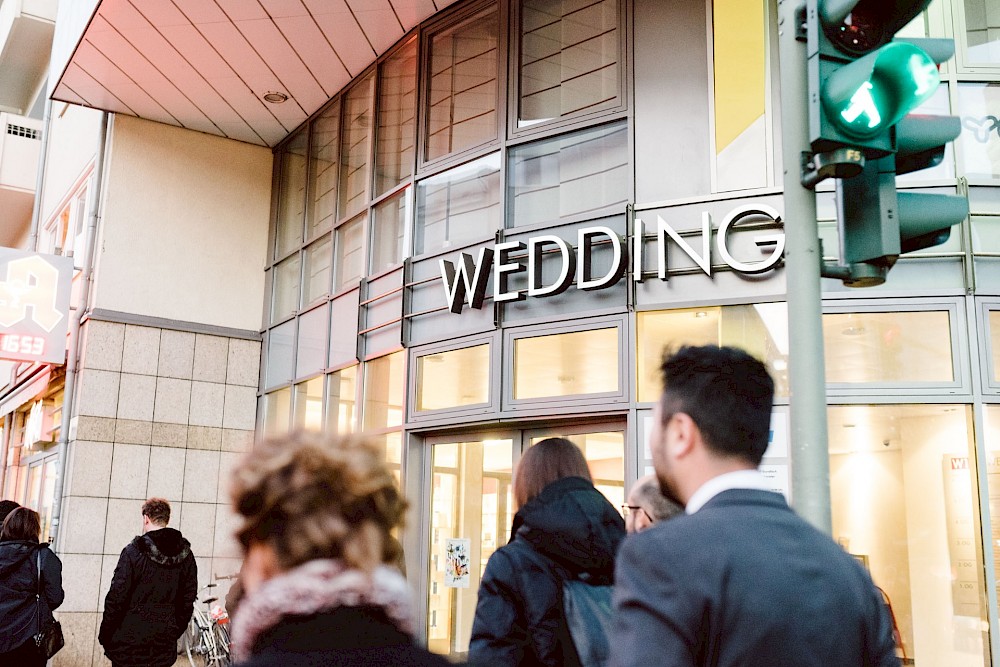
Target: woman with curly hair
point(319, 574)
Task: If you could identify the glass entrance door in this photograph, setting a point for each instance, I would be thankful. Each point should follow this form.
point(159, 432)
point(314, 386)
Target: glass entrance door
point(472, 508)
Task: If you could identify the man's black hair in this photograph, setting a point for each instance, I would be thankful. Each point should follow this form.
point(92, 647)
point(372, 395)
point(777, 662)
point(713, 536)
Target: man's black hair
point(6, 507)
point(726, 392)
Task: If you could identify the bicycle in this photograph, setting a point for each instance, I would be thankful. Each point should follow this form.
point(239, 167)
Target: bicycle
point(206, 640)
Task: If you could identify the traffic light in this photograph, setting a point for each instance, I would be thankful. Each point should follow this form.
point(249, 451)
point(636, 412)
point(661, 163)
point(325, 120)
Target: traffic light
point(863, 83)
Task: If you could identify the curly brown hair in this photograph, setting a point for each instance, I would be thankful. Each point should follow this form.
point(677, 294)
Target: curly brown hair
point(311, 496)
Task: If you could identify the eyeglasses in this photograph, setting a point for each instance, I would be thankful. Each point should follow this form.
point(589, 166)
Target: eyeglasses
point(634, 509)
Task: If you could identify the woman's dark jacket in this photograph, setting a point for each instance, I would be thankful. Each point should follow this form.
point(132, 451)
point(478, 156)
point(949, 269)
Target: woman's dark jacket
point(19, 620)
point(341, 637)
point(568, 530)
point(150, 600)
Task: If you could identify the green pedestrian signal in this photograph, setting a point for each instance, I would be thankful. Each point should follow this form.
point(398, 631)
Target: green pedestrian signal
point(863, 84)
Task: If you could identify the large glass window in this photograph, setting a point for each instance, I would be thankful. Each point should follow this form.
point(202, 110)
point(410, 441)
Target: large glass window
point(905, 504)
point(280, 350)
point(583, 172)
point(459, 205)
point(355, 145)
point(291, 195)
point(388, 230)
point(277, 411)
point(582, 362)
point(454, 378)
point(462, 86)
point(761, 329)
point(979, 107)
point(344, 329)
point(982, 30)
point(569, 58)
point(888, 347)
point(323, 197)
point(396, 118)
point(310, 355)
point(384, 389)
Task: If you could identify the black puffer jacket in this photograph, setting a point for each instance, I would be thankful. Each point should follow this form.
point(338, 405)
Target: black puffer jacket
point(18, 587)
point(150, 600)
point(519, 618)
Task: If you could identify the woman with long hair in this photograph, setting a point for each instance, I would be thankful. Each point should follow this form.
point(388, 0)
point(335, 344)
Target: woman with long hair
point(321, 577)
point(22, 614)
point(564, 527)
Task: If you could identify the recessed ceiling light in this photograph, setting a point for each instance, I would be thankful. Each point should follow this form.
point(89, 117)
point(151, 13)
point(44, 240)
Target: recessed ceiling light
point(273, 97)
point(701, 313)
point(853, 331)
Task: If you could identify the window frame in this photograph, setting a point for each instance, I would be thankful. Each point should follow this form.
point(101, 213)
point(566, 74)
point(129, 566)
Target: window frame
point(474, 412)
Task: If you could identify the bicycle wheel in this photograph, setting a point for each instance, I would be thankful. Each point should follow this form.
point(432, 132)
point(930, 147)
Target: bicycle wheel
point(220, 653)
point(193, 645)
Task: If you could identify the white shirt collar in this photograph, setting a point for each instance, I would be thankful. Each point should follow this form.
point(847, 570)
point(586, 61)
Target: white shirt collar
point(739, 479)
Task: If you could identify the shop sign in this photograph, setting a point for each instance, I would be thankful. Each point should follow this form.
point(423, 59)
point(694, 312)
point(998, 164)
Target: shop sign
point(34, 305)
point(466, 281)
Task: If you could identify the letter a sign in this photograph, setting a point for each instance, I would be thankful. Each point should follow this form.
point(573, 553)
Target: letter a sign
point(34, 306)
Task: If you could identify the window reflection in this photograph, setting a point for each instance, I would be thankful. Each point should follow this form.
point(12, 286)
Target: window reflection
point(979, 108)
point(384, 387)
point(309, 405)
point(280, 347)
point(354, 146)
point(341, 392)
point(291, 195)
point(396, 118)
point(286, 289)
point(389, 227)
point(459, 205)
point(277, 412)
point(982, 25)
point(323, 193)
point(349, 264)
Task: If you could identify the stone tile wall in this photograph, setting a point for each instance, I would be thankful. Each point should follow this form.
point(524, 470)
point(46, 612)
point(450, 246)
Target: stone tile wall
point(158, 413)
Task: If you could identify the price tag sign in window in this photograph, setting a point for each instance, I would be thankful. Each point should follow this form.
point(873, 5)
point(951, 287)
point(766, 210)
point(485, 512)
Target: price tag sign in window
point(34, 306)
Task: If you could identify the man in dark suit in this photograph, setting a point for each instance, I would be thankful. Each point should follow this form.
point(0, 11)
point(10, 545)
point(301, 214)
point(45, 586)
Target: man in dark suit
point(739, 579)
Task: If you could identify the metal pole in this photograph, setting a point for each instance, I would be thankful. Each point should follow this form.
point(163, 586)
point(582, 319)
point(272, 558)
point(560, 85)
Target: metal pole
point(86, 280)
point(43, 158)
point(807, 375)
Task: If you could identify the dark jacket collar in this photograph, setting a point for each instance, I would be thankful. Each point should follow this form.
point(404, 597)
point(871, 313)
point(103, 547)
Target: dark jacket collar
point(164, 546)
point(759, 497)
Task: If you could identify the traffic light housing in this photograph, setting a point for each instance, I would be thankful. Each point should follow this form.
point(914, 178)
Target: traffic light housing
point(863, 84)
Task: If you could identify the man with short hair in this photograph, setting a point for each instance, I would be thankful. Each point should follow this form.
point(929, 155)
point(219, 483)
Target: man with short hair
point(647, 505)
point(152, 594)
point(739, 579)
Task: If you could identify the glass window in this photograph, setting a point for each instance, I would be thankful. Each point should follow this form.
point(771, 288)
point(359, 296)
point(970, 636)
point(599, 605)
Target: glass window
point(453, 379)
point(384, 387)
point(344, 328)
point(459, 205)
point(310, 356)
point(309, 405)
point(761, 329)
point(888, 347)
point(323, 194)
point(937, 105)
point(49, 475)
point(472, 509)
point(739, 78)
point(582, 172)
point(905, 504)
point(979, 107)
point(354, 147)
point(350, 262)
point(982, 26)
point(462, 86)
point(316, 273)
point(277, 412)
point(394, 147)
point(279, 354)
point(569, 58)
point(583, 362)
point(286, 289)
point(291, 195)
point(341, 393)
point(389, 226)
point(994, 316)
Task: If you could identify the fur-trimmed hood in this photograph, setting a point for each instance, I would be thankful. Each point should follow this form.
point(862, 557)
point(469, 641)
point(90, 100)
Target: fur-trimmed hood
point(164, 546)
point(316, 587)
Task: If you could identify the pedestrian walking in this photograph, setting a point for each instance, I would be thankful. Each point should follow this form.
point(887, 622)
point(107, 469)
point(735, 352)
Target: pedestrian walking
point(647, 505)
point(739, 579)
point(30, 588)
point(152, 594)
point(320, 584)
point(564, 529)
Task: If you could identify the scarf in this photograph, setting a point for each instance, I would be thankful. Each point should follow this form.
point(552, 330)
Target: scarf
point(318, 586)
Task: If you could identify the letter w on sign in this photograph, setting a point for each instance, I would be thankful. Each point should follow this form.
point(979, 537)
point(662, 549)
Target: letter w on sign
point(467, 281)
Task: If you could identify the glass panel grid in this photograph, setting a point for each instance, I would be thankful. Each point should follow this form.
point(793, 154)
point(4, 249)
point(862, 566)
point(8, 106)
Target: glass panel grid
point(394, 148)
point(461, 204)
point(355, 146)
point(323, 193)
point(291, 195)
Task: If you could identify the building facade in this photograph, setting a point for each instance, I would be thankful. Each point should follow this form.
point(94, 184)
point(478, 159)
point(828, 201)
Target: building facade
point(482, 224)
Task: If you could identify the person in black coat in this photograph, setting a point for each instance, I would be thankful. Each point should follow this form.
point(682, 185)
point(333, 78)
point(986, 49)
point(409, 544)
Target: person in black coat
point(21, 616)
point(320, 577)
point(564, 527)
point(152, 594)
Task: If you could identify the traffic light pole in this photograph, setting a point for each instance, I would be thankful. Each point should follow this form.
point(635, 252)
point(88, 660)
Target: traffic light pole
point(803, 259)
